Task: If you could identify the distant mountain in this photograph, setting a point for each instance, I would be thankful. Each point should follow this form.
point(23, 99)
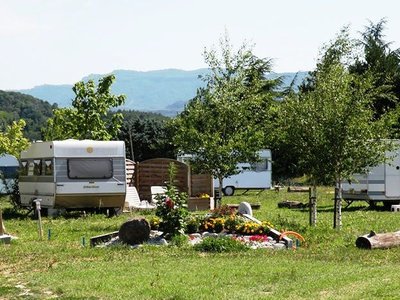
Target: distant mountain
point(162, 91)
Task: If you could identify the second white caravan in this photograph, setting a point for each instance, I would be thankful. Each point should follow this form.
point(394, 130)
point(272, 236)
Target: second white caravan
point(380, 184)
point(251, 175)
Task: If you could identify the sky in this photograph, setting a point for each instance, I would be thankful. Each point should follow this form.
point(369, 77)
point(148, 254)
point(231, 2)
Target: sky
point(62, 41)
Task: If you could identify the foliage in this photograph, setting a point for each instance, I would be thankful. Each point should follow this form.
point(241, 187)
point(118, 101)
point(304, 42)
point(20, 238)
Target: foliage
point(212, 224)
point(179, 240)
point(192, 224)
point(223, 211)
point(147, 137)
point(382, 63)
point(172, 207)
point(225, 123)
point(12, 140)
point(88, 117)
point(154, 223)
point(221, 244)
point(331, 128)
point(253, 228)
point(16, 106)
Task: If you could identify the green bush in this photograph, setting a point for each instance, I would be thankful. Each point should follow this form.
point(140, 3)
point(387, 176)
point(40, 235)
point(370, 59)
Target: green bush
point(220, 244)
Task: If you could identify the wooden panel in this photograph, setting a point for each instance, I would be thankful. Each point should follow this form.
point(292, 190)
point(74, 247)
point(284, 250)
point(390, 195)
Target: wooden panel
point(155, 172)
point(195, 203)
point(201, 184)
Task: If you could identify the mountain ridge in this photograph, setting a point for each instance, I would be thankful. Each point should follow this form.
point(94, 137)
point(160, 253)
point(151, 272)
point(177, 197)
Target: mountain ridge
point(165, 91)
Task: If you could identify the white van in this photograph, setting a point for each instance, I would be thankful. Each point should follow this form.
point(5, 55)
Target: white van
point(74, 174)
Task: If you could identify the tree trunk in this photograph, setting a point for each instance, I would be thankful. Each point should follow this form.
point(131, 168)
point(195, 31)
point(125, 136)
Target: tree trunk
point(2, 228)
point(221, 182)
point(313, 205)
point(381, 240)
point(337, 216)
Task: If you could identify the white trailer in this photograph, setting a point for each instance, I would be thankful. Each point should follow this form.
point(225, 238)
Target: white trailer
point(8, 172)
point(380, 184)
point(74, 174)
point(251, 175)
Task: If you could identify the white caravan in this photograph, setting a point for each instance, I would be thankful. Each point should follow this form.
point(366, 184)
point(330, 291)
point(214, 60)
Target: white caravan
point(252, 175)
point(74, 174)
point(8, 172)
point(381, 183)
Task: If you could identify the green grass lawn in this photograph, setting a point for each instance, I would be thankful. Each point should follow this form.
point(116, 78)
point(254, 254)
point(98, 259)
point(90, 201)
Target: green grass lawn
point(327, 266)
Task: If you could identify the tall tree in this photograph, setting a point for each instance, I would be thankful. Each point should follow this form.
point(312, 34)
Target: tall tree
point(331, 128)
point(147, 138)
point(383, 64)
point(222, 125)
point(88, 117)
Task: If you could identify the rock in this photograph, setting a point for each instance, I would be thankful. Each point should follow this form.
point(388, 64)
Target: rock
point(210, 234)
point(135, 231)
point(279, 246)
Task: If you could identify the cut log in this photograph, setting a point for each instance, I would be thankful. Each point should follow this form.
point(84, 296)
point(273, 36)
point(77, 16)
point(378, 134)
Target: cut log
point(380, 240)
point(298, 189)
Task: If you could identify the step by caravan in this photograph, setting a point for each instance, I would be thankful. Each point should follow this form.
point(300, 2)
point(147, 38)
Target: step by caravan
point(73, 174)
point(256, 176)
point(380, 184)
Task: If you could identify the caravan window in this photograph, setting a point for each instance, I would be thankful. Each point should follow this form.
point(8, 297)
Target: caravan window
point(24, 168)
point(48, 167)
point(37, 167)
point(90, 168)
point(260, 166)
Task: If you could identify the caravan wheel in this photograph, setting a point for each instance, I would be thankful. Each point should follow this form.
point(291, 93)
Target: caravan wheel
point(229, 190)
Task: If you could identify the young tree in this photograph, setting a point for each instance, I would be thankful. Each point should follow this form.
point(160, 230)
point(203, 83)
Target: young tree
point(87, 118)
point(222, 125)
point(331, 128)
point(12, 140)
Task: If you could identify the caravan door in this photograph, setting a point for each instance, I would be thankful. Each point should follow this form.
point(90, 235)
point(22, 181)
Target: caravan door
point(392, 177)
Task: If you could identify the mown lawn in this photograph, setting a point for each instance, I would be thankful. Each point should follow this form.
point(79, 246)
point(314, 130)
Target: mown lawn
point(327, 266)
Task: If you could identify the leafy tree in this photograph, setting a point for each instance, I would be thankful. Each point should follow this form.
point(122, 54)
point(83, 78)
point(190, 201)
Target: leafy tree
point(147, 138)
point(88, 116)
point(12, 140)
point(383, 64)
point(331, 128)
point(223, 124)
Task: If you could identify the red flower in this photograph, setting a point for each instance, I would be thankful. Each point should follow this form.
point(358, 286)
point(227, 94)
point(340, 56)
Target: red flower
point(169, 203)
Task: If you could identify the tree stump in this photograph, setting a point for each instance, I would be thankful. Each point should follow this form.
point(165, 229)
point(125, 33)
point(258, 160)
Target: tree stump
point(135, 231)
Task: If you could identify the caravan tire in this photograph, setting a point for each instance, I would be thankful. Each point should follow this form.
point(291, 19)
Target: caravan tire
point(229, 190)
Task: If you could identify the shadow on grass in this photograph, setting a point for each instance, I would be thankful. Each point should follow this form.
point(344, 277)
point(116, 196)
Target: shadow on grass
point(351, 208)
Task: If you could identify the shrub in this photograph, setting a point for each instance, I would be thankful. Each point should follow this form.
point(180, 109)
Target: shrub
point(192, 224)
point(220, 244)
point(179, 240)
point(172, 207)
